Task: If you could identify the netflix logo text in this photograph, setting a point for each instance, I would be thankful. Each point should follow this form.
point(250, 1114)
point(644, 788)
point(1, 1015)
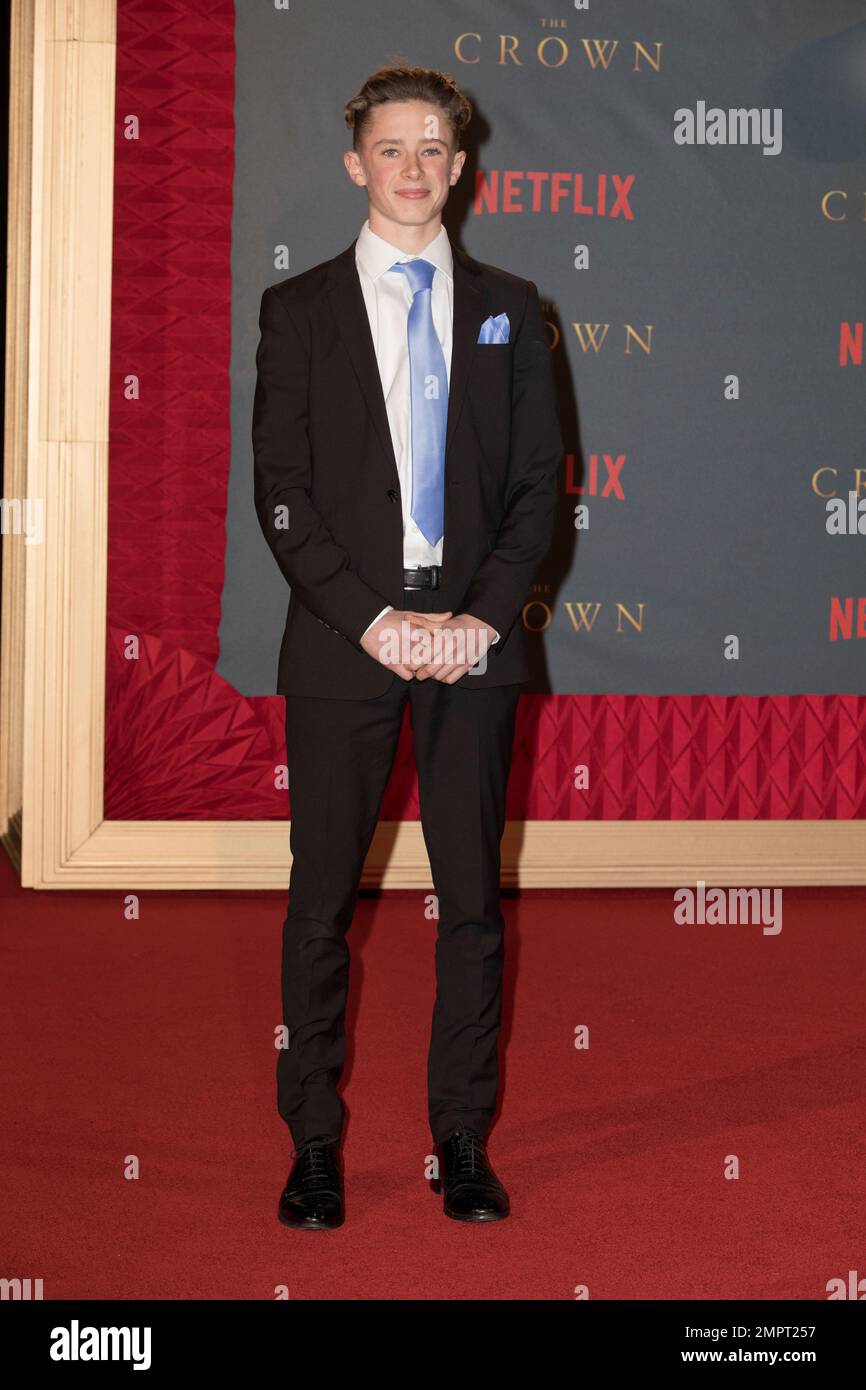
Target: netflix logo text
point(603, 476)
point(851, 344)
point(562, 190)
point(848, 619)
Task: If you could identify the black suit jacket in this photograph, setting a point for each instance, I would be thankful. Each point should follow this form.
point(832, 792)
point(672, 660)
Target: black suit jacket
point(323, 454)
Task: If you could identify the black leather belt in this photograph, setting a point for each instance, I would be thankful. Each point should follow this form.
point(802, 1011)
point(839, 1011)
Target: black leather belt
point(424, 577)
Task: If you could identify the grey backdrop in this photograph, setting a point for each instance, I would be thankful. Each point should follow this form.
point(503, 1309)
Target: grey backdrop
point(727, 256)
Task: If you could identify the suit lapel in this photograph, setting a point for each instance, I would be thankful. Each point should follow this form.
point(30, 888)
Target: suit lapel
point(471, 308)
point(347, 303)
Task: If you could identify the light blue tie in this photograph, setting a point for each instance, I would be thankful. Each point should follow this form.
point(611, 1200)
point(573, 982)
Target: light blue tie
point(428, 384)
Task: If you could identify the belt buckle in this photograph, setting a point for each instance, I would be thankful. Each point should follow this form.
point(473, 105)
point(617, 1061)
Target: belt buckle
point(431, 571)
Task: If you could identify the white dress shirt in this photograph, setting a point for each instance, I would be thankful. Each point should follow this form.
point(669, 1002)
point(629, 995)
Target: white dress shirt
point(388, 299)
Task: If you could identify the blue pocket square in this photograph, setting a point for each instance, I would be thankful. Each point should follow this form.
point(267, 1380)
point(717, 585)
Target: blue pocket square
point(495, 329)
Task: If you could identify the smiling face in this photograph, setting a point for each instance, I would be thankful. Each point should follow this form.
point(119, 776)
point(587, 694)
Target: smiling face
point(407, 160)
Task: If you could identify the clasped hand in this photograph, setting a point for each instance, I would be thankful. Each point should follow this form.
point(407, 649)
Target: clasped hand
point(452, 639)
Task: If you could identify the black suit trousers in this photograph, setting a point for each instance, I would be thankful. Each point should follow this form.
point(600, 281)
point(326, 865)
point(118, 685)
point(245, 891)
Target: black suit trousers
point(340, 754)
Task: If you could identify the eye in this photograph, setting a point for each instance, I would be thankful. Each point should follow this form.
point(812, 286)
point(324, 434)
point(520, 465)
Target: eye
point(431, 149)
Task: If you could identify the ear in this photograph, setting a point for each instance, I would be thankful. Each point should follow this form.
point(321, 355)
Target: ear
point(353, 167)
point(456, 165)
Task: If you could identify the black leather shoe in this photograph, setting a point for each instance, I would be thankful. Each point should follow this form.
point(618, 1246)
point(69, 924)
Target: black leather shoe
point(312, 1198)
point(472, 1190)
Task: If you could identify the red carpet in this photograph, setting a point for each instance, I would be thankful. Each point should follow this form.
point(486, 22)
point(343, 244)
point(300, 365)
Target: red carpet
point(155, 1039)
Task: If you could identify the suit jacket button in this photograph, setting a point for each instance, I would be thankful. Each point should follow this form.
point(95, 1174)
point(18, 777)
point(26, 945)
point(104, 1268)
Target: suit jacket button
point(392, 494)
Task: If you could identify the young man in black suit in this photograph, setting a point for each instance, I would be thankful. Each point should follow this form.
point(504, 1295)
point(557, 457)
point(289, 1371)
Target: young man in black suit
point(406, 445)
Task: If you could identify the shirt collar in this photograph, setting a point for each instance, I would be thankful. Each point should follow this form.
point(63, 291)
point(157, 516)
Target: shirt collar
point(376, 255)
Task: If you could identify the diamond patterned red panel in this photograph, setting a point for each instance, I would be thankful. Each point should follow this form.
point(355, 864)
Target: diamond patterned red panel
point(183, 744)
